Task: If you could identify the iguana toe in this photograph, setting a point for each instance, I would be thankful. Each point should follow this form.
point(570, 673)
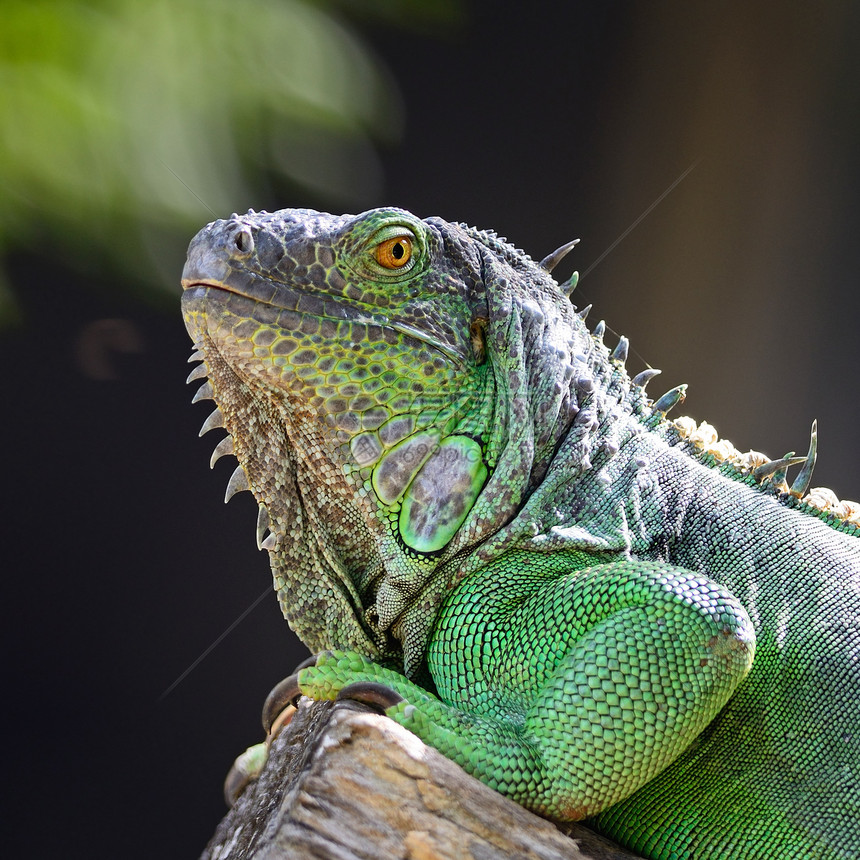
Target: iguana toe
point(245, 770)
point(308, 661)
point(371, 693)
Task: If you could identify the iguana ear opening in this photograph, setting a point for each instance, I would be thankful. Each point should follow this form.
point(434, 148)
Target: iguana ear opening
point(479, 340)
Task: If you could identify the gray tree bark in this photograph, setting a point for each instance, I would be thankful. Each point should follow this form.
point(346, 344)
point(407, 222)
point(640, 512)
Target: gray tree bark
point(343, 783)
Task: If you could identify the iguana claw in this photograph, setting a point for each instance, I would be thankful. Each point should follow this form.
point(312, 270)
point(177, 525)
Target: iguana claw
point(283, 696)
point(371, 693)
point(278, 710)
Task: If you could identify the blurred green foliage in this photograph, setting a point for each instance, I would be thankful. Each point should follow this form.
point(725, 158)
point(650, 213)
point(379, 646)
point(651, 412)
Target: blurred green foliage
point(126, 125)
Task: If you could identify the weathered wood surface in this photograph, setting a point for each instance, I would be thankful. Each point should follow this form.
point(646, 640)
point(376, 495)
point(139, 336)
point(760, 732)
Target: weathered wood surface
point(343, 783)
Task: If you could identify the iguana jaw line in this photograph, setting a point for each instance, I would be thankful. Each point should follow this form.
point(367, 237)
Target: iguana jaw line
point(350, 313)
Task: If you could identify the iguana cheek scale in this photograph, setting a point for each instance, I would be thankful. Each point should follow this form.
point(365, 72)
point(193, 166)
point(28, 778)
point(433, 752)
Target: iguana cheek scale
point(431, 479)
point(468, 502)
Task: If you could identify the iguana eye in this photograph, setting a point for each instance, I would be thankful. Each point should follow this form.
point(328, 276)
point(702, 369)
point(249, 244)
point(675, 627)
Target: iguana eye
point(394, 253)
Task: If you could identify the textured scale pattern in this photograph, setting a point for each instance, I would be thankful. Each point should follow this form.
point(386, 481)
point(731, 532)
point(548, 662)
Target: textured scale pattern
point(466, 499)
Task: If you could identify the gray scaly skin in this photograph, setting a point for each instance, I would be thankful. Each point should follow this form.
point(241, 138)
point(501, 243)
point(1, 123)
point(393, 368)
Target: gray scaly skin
point(468, 502)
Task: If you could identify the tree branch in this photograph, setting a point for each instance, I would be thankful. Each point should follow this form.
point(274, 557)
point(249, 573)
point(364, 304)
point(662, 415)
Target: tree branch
point(342, 783)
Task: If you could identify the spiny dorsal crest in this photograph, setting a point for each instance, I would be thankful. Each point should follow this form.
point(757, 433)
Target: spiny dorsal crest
point(702, 439)
point(511, 254)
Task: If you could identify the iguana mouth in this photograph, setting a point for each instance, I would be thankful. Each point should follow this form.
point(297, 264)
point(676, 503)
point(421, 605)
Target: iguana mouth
point(309, 303)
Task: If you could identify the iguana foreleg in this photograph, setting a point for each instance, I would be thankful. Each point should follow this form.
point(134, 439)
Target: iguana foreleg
point(566, 691)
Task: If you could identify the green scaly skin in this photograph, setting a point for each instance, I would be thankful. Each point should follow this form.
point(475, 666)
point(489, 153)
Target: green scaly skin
point(470, 502)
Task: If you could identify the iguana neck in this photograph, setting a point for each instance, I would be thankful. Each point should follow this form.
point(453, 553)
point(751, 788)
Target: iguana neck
point(363, 576)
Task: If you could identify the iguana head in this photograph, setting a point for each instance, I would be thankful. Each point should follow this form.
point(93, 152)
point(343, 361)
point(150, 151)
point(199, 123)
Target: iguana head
point(393, 387)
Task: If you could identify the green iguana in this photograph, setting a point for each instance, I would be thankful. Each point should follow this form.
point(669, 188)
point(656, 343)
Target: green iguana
point(485, 525)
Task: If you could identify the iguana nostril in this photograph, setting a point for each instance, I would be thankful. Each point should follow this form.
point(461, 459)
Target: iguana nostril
point(244, 241)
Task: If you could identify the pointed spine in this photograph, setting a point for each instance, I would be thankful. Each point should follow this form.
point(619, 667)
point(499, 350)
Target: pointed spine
point(643, 378)
point(238, 483)
point(776, 469)
point(224, 447)
point(670, 399)
point(199, 372)
point(216, 419)
point(205, 392)
point(262, 524)
point(549, 262)
point(620, 351)
point(570, 284)
point(197, 355)
point(804, 476)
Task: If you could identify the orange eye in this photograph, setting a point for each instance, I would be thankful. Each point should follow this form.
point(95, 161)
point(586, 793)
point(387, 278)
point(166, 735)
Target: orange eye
point(394, 253)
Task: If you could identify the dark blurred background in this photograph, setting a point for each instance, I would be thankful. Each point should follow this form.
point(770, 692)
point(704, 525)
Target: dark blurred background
point(124, 127)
